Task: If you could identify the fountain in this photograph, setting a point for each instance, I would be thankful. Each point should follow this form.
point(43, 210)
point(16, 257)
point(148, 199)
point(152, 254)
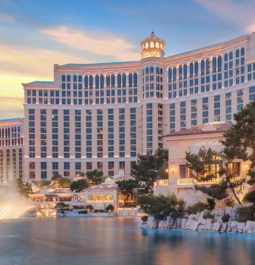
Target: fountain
point(12, 204)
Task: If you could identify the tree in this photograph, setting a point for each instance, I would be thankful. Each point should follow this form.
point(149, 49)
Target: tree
point(160, 207)
point(56, 177)
point(89, 208)
point(79, 185)
point(109, 208)
point(127, 188)
point(65, 183)
point(239, 140)
point(208, 165)
point(95, 176)
point(24, 188)
point(146, 170)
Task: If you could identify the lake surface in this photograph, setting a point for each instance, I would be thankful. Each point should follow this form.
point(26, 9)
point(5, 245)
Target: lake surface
point(96, 241)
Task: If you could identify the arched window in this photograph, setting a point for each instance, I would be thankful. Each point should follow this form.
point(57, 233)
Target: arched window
point(63, 78)
point(97, 81)
point(185, 71)
point(108, 81)
point(130, 80)
point(135, 79)
point(237, 53)
point(226, 57)
point(202, 67)
point(207, 66)
point(68, 78)
point(214, 64)
point(90, 82)
point(112, 81)
point(75, 78)
point(80, 78)
point(119, 80)
point(242, 52)
point(86, 82)
point(230, 55)
point(124, 80)
point(174, 74)
point(101, 81)
point(180, 72)
point(219, 63)
point(170, 75)
point(196, 68)
point(191, 70)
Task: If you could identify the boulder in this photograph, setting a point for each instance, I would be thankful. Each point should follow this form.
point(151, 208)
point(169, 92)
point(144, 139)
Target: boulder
point(216, 226)
point(250, 227)
point(194, 225)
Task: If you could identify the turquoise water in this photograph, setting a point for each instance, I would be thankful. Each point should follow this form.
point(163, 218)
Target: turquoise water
point(95, 241)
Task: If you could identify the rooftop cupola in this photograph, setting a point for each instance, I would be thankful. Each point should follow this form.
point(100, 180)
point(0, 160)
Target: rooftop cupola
point(152, 46)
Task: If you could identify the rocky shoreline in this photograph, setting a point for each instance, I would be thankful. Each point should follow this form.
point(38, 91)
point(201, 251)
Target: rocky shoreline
point(198, 222)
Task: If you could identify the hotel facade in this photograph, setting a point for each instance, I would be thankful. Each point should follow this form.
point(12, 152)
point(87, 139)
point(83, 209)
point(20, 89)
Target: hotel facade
point(11, 150)
point(101, 116)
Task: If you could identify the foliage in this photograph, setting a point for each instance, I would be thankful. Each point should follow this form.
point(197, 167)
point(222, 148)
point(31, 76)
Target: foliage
point(160, 206)
point(249, 197)
point(163, 172)
point(95, 177)
point(144, 218)
point(42, 183)
point(245, 213)
point(230, 202)
point(79, 185)
point(64, 183)
point(210, 204)
point(56, 177)
point(239, 141)
point(146, 171)
point(208, 215)
point(89, 208)
point(131, 204)
point(197, 208)
point(209, 165)
point(127, 188)
point(24, 188)
point(109, 208)
point(225, 218)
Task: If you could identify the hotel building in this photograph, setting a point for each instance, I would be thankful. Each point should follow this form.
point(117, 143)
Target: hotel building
point(102, 115)
point(11, 150)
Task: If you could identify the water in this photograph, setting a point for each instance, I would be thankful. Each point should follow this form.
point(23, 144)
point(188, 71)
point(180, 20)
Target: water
point(115, 241)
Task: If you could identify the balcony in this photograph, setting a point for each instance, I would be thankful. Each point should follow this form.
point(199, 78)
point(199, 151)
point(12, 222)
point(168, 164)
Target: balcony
point(161, 183)
point(189, 182)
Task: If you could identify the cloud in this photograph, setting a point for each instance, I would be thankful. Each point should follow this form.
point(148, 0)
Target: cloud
point(99, 43)
point(11, 107)
point(29, 61)
point(240, 13)
point(6, 18)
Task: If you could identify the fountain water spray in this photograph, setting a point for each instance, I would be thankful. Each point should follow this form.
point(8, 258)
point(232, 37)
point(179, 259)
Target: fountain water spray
point(12, 204)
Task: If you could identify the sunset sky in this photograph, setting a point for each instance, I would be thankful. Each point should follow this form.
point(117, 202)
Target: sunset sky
point(34, 35)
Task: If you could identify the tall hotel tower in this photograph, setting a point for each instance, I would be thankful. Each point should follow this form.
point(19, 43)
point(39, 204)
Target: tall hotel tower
point(100, 116)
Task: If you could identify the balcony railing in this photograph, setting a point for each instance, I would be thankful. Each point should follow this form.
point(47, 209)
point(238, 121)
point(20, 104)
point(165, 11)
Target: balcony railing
point(192, 181)
point(161, 183)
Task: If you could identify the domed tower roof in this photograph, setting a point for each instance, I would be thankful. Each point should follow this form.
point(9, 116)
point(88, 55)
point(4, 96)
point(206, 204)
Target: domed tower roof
point(152, 46)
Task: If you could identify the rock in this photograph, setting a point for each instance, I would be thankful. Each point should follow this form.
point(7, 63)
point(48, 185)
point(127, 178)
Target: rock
point(250, 227)
point(224, 227)
point(216, 226)
point(194, 225)
point(241, 227)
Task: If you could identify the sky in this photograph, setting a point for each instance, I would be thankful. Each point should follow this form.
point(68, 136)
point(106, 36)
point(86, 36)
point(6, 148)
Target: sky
point(36, 34)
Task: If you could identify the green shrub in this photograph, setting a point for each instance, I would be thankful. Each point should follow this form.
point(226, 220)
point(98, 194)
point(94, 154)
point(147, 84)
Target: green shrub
point(230, 202)
point(249, 197)
point(197, 207)
point(225, 218)
point(210, 204)
point(144, 218)
point(208, 215)
point(246, 214)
